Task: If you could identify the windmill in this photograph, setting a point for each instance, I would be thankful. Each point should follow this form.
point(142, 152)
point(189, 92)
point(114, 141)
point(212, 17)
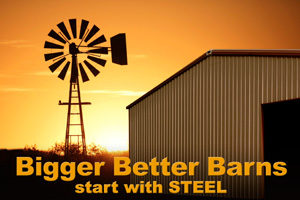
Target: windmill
point(65, 50)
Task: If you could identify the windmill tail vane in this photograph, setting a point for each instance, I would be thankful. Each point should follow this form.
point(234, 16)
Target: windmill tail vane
point(64, 51)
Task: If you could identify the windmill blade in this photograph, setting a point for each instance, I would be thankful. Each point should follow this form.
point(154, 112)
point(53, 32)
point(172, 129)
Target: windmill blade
point(50, 45)
point(63, 29)
point(94, 71)
point(73, 27)
point(50, 56)
point(97, 41)
point(63, 72)
point(97, 60)
point(54, 35)
point(55, 65)
point(74, 71)
point(93, 31)
point(102, 50)
point(84, 76)
point(83, 27)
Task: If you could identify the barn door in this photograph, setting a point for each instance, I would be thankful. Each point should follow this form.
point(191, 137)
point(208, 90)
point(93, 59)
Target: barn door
point(281, 132)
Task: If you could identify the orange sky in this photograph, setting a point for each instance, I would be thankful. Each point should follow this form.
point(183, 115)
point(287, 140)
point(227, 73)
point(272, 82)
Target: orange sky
point(162, 37)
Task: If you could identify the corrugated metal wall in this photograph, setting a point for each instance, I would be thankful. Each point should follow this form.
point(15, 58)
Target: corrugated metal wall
point(213, 109)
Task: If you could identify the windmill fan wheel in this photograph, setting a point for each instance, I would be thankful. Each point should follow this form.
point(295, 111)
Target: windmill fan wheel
point(65, 44)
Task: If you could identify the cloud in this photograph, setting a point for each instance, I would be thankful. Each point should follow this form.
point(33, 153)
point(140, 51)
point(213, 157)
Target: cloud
point(41, 73)
point(118, 92)
point(15, 89)
point(5, 75)
point(16, 43)
point(46, 73)
point(5, 42)
point(137, 55)
point(22, 45)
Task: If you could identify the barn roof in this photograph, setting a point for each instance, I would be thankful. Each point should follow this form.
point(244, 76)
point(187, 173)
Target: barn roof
point(222, 52)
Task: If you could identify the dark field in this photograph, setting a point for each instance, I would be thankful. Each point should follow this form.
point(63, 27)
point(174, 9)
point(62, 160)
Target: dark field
point(35, 187)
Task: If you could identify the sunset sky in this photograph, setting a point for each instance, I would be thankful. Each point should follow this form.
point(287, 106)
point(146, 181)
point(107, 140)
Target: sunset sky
point(162, 37)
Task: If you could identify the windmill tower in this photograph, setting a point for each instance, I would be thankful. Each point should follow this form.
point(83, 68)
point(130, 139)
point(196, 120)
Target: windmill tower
point(67, 51)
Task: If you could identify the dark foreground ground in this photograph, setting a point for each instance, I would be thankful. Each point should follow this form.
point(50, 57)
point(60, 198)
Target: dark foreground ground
point(33, 187)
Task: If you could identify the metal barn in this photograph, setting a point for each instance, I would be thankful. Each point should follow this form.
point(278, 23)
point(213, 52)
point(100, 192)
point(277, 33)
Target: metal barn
point(237, 104)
